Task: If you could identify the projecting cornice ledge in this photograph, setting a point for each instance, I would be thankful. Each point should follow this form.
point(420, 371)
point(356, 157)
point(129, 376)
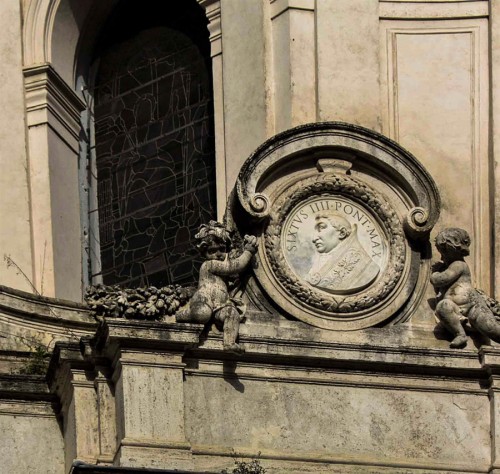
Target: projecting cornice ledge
point(27, 320)
point(409, 351)
point(50, 100)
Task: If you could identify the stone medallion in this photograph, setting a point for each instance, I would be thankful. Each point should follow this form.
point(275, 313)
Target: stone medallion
point(334, 244)
point(336, 247)
point(345, 214)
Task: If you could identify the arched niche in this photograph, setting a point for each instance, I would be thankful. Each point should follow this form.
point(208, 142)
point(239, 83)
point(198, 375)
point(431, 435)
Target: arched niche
point(55, 31)
point(58, 36)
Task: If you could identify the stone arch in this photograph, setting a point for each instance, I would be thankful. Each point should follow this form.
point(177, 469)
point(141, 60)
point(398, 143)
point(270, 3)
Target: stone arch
point(56, 31)
point(58, 37)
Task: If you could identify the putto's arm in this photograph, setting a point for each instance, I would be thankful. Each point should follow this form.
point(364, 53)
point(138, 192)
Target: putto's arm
point(235, 265)
point(230, 266)
point(448, 276)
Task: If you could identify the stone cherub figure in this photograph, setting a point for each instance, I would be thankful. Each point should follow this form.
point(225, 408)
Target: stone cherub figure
point(458, 301)
point(213, 297)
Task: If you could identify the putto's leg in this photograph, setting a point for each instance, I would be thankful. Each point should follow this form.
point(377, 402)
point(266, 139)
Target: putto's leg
point(449, 314)
point(231, 319)
point(197, 311)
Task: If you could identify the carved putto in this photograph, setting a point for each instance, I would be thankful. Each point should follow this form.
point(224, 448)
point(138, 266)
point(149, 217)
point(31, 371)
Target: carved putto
point(459, 302)
point(216, 296)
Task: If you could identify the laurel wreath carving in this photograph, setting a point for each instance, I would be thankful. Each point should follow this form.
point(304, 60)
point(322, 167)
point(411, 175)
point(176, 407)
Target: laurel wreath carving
point(339, 185)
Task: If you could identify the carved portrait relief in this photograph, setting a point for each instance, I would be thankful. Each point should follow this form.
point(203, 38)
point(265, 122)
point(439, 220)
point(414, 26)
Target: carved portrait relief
point(334, 245)
point(343, 213)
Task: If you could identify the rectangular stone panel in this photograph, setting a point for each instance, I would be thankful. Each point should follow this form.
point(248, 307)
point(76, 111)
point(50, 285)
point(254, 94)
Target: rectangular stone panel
point(342, 423)
point(435, 89)
point(31, 439)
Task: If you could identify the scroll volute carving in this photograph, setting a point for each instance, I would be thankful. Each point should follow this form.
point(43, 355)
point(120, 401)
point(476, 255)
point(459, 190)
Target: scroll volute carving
point(295, 149)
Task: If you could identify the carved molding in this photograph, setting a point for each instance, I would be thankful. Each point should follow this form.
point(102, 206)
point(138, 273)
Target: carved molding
point(278, 7)
point(48, 97)
point(275, 152)
point(37, 20)
point(400, 38)
point(431, 10)
point(213, 14)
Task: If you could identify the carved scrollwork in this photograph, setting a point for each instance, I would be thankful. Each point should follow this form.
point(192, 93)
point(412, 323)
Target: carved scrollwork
point(334, 139)
point(260, 205)
point(358, 192)
point(417, 222)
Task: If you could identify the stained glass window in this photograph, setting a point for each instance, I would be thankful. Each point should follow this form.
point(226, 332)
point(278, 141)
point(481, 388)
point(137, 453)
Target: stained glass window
point(155, 162)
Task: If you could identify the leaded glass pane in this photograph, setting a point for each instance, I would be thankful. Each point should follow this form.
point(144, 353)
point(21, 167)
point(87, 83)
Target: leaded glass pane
point(155, 158)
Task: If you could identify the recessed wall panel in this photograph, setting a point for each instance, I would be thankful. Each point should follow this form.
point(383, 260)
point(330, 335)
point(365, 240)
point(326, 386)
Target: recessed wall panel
point(436, 97)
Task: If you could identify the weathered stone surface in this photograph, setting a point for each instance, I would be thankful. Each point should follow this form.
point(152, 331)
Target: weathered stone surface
point(376, 399)
point(386, 399)
point(377, 271)
point(136, 303)
point(30, 439)
point(220, 282)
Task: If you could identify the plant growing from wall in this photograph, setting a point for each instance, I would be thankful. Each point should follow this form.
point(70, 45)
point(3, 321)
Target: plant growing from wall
point(38, 360)
point(242, 467)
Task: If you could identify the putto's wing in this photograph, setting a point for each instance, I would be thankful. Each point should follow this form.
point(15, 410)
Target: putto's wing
point(492, 303)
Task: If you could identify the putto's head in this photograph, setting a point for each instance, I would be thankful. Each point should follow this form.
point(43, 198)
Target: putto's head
point(213, 241)
point(453, 241)
point(330, 229)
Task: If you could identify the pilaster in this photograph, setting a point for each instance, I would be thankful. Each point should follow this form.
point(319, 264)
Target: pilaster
point(490, 361)
point(71, 378)
point(50, 101)
point(53, 118)
point(494, 37)
point(213, 14)
point(148, 372)
point(294, 58)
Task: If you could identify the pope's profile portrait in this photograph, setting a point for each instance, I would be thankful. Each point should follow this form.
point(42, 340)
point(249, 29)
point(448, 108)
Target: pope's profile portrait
point(340, 263)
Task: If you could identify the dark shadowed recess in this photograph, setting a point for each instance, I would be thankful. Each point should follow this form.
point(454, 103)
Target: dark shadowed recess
point(154, 141)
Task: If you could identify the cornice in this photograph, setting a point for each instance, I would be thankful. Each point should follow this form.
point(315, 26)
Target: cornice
point(278, 7)
point(26, 310)
point(49, 97)
point(213, 13)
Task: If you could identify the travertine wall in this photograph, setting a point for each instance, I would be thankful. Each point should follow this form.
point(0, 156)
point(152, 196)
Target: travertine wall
point(416, 71)
point(31, 440)
point(307, 400)
point(313, 415)
point(424, 73)
point(15, 202)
